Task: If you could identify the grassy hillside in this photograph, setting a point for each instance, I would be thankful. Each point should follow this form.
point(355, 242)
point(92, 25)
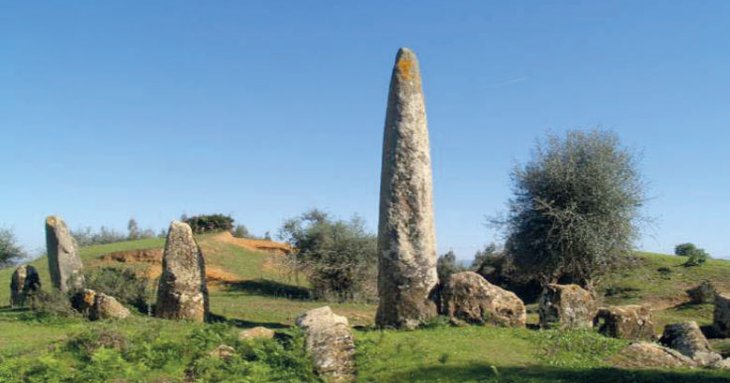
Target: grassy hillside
point(253, 290)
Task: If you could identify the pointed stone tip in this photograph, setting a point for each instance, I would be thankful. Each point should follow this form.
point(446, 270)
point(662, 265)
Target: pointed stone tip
point(406, 64)
point(53, 220)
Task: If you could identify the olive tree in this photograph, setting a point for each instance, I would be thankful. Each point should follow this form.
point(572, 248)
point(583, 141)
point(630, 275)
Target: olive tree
point(575, 208)
point(9, 248)
point(338, 257)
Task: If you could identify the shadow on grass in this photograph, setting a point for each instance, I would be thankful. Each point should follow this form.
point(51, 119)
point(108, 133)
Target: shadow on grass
point(269, 288)
point(244, 324)
point(484, 373)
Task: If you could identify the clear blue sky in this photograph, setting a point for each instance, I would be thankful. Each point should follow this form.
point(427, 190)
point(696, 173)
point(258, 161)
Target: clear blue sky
point(152, 109)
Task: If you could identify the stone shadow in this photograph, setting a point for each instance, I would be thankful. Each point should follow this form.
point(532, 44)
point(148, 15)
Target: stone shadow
point(269, 288)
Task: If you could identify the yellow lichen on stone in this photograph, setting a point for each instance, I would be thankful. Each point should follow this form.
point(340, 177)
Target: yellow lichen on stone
point(406, 68)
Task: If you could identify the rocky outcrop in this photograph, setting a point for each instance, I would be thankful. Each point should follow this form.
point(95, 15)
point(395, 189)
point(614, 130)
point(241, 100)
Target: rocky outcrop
point(257, 332)
point(566, 306)
point(182, 292)
point(25, 281)
point(97, 306)
point(705, 292)
point(721, 316)
point(64, 263)
point(687, 338)
point(632, 322)
point(644, 355)
point(468, 297)
point(406, 235)
point(330, 344)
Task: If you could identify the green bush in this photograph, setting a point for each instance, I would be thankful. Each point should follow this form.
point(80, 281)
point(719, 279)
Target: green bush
point(695, 256)
point(49, 305)
point(339, 257)
point(575, 209)
point(9, 248)
point(123, 284)
point(210, 223)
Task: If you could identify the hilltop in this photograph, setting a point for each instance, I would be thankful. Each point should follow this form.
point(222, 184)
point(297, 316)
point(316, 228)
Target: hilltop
point(250, 286)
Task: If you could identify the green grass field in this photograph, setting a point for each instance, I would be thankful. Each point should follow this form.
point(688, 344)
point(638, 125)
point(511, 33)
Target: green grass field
point(35, 349)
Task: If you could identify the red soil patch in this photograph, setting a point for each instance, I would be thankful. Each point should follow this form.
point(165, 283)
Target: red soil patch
point(254, 244)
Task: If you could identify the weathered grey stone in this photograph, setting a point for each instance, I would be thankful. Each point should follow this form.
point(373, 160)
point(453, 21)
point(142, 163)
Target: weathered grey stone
point(566, 306)
point(645, 355)
point(406, 236)
point(97, 306)
point(25, 280)
point(632, 322)
point(223, 351)
point(257, 332)
point(687, 338)
point(721, 317)
point(330, 343)
point(107, 307)
point(64, 263)
point(723, 364)
point(705, 292)
point(182, 292)
point(468, 297)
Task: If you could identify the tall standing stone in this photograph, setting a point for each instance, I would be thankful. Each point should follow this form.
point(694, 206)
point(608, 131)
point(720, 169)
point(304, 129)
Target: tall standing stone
point(406, 234)
point(64, 263)
point(182, 292)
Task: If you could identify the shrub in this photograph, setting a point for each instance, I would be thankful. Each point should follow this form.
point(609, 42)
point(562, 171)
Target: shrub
point(695, 256)
point(122, 283)
point(50, 305)
point(9, 248)
point(575, 208)
point(447, 265)
point(339, 257)
point(684, 249)
point(210, 223)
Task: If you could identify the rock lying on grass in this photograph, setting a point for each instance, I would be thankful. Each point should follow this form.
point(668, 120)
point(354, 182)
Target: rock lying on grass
point(223, 351)
point(258, 332)
point(566, 306)
point(633, 322)
point(468, 297)
point(645, 355)
point(721, 317)
point(687, 338)
point(330, 344)
point(96, 306)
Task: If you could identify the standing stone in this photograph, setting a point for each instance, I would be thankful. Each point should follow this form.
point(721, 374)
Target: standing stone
point(688, 339)
point(721, 316)
point(406, 234)
point(25, 280)
point(566, 306)
point(705, 292)
point(182, 292)
point(330, 344)
point(64, 264)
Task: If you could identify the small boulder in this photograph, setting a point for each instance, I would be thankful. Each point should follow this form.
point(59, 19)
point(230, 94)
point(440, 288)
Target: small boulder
point(723, 364)
point(25, 281)
point(566, 306)
point(258, 332)
point(470, 298)
point(705, 292)
point(721, 317)
point(223, 351)
point(687, 338)
point(645, 355)
point(107, 307)
point(96, 306)
point(632, 322)
point(330, 344)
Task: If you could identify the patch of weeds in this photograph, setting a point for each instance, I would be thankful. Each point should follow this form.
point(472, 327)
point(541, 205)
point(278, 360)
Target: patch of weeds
point(575, 348)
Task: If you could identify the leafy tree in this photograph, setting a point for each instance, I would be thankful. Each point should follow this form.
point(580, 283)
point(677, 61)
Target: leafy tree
point(9, 248)
point(447, 265)
point(133, 229)
point(339, 257)
point(240, 231)
point(210, 223)
point(575, 208)
point(695, 256)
